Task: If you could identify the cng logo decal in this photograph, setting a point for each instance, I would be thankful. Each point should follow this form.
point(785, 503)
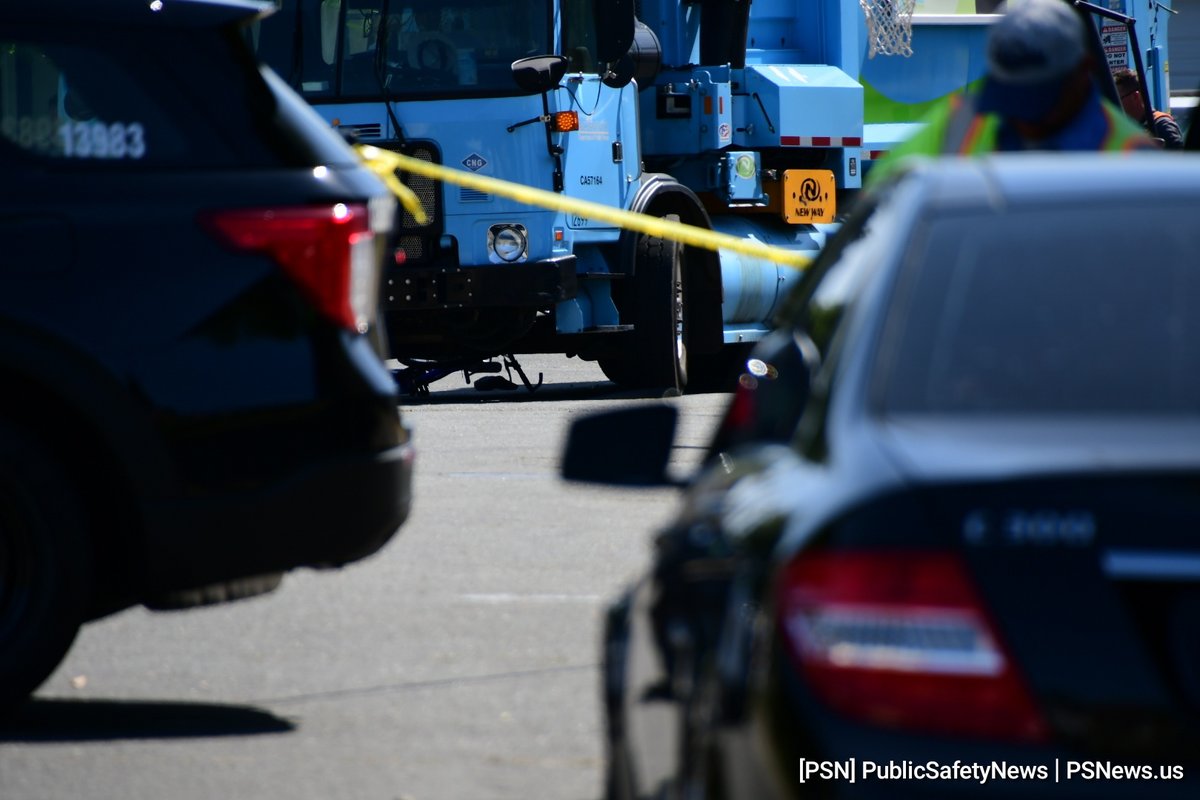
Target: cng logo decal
point(474, 162)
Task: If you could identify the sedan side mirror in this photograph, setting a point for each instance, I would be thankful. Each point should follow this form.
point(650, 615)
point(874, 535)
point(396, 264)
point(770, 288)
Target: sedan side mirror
point(627, 447)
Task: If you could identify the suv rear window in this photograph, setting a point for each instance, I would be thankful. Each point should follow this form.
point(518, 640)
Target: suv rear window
point(1033, 312)
point(75, 102)
point(187, 97)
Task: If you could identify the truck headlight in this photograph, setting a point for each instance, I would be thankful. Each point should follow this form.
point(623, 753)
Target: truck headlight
point(508, 243)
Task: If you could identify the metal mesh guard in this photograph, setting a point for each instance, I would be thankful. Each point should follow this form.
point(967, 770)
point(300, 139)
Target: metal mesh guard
point(424, 188)
point(889, 26)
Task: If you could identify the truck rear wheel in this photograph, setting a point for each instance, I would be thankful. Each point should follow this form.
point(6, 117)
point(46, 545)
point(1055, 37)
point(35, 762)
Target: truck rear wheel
point(44, 564)
point(657, 357)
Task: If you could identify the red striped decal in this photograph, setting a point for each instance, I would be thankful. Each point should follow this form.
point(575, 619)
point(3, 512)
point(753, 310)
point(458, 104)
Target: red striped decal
point(820, 141)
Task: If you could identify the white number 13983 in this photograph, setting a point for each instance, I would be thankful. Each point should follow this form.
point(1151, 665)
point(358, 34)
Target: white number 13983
point(103, 140)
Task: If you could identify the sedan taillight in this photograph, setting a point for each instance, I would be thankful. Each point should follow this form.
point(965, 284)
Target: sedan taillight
point(901, 640)
point(329, 251)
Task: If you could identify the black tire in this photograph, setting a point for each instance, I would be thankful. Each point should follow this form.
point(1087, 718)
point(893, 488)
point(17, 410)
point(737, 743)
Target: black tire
point(700, 776)
point(44, 565)
point(618, 783)
point(657, 358)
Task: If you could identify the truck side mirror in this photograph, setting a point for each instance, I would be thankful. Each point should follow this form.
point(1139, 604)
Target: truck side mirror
point(620, 72)
point(613, 21)
point(641, 62)
point(539, 74)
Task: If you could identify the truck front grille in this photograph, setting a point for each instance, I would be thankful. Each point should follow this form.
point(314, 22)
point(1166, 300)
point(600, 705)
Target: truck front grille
point(419, 242)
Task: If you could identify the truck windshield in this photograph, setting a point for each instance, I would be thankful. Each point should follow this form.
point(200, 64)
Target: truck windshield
point(366, 49)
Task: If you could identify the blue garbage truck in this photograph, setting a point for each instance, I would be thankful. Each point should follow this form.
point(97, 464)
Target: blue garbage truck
point(756, 120)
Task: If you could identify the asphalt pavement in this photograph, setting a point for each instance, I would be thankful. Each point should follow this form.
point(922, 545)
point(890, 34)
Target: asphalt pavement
point(459, 663)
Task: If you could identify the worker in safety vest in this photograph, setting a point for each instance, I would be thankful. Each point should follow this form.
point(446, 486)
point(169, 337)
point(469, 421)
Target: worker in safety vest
point(1038, 94)
point(1164, 125)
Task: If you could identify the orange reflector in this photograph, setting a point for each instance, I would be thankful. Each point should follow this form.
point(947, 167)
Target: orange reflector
point(565, 121)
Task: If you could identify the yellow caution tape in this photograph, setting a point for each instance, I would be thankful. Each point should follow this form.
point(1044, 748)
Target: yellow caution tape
point(630, 220)
point(384, 163)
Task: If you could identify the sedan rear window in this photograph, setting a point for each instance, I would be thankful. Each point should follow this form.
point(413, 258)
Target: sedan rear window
point(1049, 311)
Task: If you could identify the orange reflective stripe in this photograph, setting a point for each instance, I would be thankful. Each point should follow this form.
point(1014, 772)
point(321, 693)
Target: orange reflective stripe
point(1130, 141)
point(974, 132)
point(964, 127)
point(1107, 143)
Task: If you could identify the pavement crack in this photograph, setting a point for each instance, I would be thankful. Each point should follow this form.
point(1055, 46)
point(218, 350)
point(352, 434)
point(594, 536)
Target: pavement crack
point(461, 680)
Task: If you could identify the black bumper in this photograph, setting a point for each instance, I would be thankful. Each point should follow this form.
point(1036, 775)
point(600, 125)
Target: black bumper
point(535, 284)
point(338, 511)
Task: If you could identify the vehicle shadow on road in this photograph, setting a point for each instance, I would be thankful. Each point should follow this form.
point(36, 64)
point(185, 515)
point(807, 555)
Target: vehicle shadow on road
point(56, 720)
point(546, 393)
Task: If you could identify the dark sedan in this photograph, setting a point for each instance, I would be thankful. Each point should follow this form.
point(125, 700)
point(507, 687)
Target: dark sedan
point(947, 539)
point(193, 396)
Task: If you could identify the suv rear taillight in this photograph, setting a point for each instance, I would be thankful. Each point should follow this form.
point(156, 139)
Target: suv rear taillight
point(901, 640)
point(329, 251)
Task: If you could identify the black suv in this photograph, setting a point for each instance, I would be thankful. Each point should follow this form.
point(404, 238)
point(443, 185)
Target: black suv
point(193, 399)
